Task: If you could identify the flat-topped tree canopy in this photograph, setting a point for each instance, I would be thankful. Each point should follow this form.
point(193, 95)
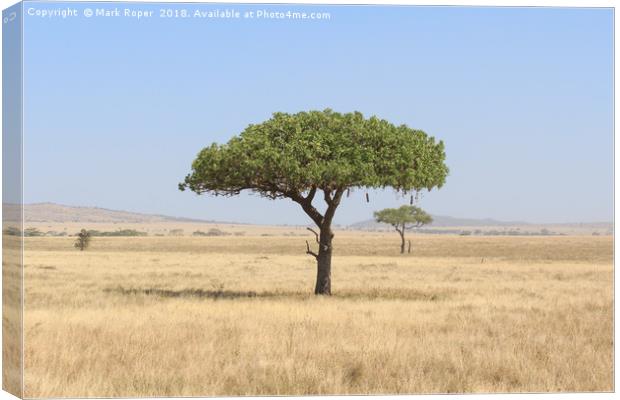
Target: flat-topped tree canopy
point(291, 154)
point(407, 216)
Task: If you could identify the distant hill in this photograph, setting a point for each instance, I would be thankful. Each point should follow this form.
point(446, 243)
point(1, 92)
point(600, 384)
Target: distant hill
point(51, 212)
point(443, 221)
point(58, 213)
point(440, 221)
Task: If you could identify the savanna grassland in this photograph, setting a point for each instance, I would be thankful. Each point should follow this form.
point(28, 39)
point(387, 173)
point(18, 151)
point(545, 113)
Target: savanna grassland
point(189, 316)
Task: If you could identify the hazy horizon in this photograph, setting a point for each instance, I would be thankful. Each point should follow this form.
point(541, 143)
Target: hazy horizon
point(370, 217)
point(117, 109)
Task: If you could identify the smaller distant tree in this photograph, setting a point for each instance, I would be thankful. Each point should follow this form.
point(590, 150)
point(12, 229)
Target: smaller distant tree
point(83, 240)
point(403, 218)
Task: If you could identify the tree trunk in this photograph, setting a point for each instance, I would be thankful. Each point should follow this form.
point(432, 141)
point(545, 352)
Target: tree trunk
point(324, 263)
point(402, 242)
point(324, 237)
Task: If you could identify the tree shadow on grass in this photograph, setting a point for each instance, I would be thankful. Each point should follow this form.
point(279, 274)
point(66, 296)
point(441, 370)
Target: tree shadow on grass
point(351, 294)
point(198, 293)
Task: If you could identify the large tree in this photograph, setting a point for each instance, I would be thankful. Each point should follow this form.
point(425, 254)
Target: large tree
point(319, 154)
point(403, 218)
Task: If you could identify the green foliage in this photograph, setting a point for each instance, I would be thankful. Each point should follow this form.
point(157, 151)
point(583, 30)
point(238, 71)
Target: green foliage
point(406, 216)
point(291, 154)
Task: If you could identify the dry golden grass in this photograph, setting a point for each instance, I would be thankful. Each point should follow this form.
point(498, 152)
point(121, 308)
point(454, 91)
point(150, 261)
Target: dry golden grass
point(12, 315)
point(226, 316)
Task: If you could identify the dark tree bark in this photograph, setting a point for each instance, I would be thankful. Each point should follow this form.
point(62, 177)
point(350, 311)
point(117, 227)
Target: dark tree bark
point(324, 238)
point(324, 263)
point(401, 232)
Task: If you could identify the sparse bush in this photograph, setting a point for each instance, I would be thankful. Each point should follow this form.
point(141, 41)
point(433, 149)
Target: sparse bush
point(176, 232)
point(12, 231)
point(217, 232)
point(33, 232)
point(83, 240)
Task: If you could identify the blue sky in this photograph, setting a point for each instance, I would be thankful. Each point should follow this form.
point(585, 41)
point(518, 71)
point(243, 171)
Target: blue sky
point(117, 108)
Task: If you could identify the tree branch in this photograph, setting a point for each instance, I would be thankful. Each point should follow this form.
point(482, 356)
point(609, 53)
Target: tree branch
point(308, 251)
point(417, 225)
point(333, 203)
point(310, 195)
point(327, 196)
point(306, 205)
point(315, 234)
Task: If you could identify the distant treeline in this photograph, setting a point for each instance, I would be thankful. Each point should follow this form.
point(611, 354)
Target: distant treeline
point(30, 232)
point(492, 232)
point(34, 232)
point(120, 232)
